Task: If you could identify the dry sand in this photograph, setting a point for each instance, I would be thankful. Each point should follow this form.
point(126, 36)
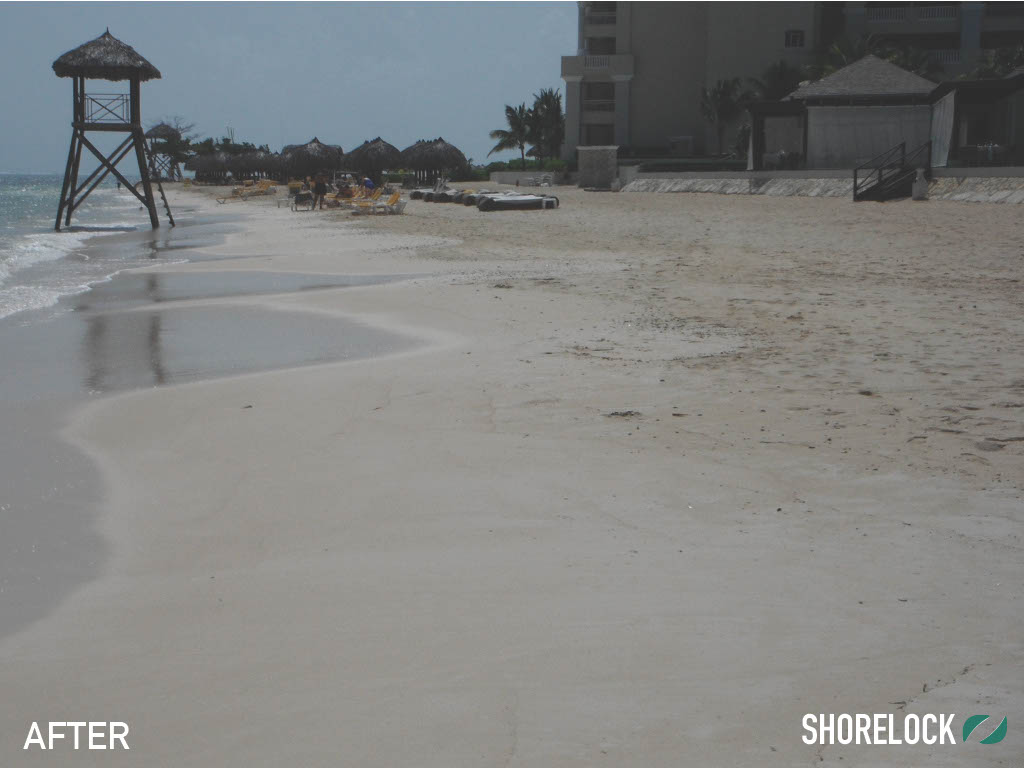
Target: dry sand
point(666, 473)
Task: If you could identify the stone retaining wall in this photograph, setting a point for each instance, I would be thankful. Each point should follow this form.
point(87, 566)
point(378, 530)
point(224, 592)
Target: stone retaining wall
point(739, 186)
point(965, 189)
point(975, 189)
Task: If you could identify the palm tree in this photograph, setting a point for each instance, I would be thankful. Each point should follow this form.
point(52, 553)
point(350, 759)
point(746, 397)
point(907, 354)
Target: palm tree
point(780, 79)
point(720, 104)
point(916, 60)
point(535, 133)
point(518, 134)
point(998, 63)
point(548, 123)
point(845, 51)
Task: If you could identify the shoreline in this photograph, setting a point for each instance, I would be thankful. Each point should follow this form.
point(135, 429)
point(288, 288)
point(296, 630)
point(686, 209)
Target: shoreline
point(662, 465)
point(50, 538)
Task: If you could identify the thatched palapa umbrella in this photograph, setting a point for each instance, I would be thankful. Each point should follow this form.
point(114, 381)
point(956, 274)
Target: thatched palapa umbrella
point(430, 158)
point(212, 166)
point(311, 158)
point(373, 157)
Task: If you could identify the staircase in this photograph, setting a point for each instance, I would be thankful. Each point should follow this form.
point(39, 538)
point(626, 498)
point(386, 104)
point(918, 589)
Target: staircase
point(154, 175)
point(163, 197)
point(891, 175)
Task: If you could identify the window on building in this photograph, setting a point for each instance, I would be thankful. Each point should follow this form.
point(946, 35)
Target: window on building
point(600, 13)
point(600, 46)
point(794, 38)
point(599, 90)
point(598, 135)
point(599, 97)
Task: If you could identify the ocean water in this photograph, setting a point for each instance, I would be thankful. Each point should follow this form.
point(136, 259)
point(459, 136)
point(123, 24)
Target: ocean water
point(39, 265)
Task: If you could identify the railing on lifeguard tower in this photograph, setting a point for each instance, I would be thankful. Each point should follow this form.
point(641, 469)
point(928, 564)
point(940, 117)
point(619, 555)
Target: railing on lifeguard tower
point(107, 108)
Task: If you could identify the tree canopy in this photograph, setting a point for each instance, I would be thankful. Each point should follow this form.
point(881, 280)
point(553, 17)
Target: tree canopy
point(517, 135)
point(720, 104)
point(542, 126)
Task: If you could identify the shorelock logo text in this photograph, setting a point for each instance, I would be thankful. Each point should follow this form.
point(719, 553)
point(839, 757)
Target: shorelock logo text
point(880, 729)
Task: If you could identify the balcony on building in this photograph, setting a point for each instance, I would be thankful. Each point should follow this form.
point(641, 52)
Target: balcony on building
point(1003, 17)
point(943, 50)
point(887, 18)
point(597, 65)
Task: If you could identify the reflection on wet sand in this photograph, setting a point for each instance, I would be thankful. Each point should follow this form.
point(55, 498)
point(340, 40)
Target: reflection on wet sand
point(134, 332)
point(123, 348)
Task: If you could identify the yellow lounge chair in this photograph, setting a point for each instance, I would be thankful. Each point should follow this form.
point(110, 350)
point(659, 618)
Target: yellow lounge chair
point(391, 205)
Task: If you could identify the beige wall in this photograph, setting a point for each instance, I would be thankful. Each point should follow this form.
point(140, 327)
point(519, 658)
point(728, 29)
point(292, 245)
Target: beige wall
point(678, 47)
point(669, 48)
point(744, 38)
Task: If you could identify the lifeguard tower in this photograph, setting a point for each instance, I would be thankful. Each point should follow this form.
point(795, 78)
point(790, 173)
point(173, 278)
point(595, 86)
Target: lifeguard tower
point(163, 165)
point(106, 58)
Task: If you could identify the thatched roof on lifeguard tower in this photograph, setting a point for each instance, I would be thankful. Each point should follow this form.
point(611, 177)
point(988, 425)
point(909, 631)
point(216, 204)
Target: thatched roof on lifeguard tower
point(164, 132)
point(105, 58)
point(867, 78)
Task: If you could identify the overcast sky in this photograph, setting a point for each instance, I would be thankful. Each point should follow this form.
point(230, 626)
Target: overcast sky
point(280, 73)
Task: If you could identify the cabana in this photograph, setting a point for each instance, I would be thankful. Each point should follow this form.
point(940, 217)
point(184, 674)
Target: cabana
point(843, 120)
point(873, 106)
point(979, 122)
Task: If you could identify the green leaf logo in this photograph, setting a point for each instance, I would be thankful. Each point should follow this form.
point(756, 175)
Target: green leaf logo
point(974, 721)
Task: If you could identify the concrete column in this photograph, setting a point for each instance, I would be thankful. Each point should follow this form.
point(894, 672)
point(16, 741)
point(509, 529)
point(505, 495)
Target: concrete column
point(622, 109)
point(970, 33)
point(580, 42)
point(572, 115)
point(855, 21)
point(623, 28)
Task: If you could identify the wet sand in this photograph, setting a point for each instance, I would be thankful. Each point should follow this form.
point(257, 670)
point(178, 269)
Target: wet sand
point(662, 474)
point(135, 331)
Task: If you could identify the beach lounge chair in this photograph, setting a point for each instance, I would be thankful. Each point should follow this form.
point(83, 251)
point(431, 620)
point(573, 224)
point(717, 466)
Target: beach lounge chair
point(517, 202)
point(302, 198)
point(374, 204)
point(392, 205)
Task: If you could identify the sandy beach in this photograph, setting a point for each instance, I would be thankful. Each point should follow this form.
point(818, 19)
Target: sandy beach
point(635, 482)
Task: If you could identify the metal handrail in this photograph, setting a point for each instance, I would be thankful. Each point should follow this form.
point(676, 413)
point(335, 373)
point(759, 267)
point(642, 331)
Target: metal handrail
point(886, 167)
point(879, 164)
point(925, 150)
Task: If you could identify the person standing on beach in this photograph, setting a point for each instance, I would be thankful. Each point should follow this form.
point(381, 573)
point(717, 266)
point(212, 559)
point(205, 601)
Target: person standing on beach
point(320, 191)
